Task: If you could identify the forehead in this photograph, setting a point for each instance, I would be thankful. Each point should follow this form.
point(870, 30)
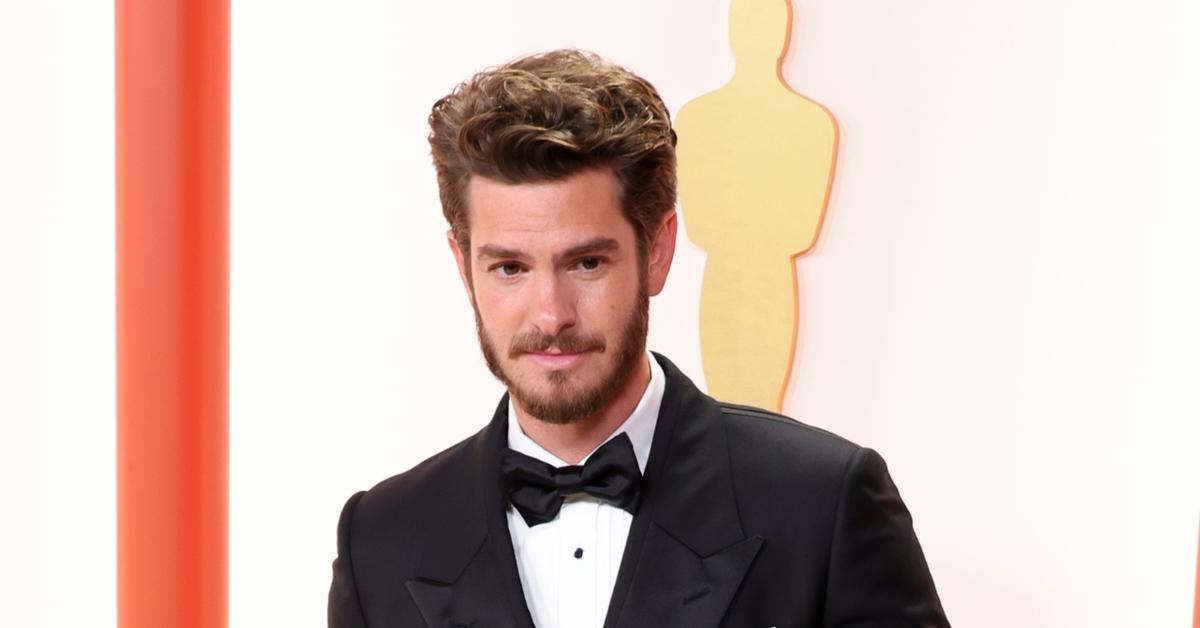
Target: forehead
point(547, 214)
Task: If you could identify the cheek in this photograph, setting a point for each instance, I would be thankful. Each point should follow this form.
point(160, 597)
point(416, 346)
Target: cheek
point(501, 310)
point(610, 303)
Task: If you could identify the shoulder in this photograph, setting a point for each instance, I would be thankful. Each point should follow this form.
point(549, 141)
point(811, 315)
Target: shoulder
point(426, 475)
point(770, 431)
point(766, 447)
point(422, 522)
point(762, 445)
point(440, 484)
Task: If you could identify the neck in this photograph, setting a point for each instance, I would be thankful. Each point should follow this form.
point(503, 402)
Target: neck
point(570, 442)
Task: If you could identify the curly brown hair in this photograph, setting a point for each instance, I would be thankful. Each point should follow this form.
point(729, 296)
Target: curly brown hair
point(547, 116)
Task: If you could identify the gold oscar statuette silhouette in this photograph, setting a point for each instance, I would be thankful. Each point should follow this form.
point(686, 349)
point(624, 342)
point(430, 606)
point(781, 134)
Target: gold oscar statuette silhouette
point(755, 167)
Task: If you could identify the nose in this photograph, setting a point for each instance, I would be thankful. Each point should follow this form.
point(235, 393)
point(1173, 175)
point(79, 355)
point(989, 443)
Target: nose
point(555, 305)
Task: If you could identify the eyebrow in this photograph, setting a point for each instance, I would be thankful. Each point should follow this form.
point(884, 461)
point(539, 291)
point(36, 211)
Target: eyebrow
point(595, 245)
point(491, 250)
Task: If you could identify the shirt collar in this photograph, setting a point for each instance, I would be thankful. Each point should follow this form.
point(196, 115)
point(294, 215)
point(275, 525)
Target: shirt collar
point(639, 426)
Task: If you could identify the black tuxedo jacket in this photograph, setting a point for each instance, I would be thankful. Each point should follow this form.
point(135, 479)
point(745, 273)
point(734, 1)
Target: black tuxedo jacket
point(747, 520)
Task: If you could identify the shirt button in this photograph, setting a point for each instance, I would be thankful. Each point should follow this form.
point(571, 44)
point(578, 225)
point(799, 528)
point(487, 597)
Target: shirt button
point(578, 552)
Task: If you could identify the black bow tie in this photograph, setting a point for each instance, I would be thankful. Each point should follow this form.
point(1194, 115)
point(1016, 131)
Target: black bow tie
point(537, 489)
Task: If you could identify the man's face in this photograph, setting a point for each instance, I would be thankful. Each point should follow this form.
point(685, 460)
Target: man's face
point(561, 296)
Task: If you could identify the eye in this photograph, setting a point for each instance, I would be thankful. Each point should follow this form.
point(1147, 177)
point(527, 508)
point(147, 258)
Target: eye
point(590, 263)
point(507, 269)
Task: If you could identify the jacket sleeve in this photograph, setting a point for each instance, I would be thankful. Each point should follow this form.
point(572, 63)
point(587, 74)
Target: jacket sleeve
point(878, 577)
point(345, 611)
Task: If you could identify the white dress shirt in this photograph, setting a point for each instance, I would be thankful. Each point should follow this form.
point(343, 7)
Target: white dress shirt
point(568, 565)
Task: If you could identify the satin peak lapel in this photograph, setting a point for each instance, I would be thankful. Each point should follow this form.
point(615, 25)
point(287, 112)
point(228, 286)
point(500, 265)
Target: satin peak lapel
point(687, 552)
point(470, 578)
point(674, 586)
point(480, 598)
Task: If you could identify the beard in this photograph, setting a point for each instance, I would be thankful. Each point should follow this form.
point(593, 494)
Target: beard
point(567, 400)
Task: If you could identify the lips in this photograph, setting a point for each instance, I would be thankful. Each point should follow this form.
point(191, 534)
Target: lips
point(556, 361)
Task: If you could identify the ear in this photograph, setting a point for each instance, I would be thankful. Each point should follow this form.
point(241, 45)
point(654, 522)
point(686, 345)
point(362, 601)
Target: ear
point(461, 258)
point(661, 252)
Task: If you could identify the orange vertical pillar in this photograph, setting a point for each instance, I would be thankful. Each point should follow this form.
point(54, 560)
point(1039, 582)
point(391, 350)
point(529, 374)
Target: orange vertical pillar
point(1196, 600)
point(172, 231)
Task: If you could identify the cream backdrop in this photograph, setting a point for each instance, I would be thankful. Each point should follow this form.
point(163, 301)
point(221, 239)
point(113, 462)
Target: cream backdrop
point(1002, 301)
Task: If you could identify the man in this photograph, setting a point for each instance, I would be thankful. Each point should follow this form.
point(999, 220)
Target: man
point(607, 490)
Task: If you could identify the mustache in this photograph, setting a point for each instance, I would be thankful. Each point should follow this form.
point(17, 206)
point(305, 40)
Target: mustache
point(565, 342)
